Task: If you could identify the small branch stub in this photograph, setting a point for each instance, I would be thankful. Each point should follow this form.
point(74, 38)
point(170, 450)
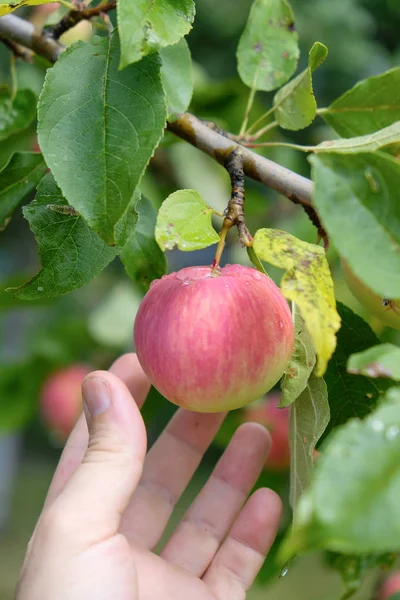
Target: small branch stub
point(73, 17)
point(234, 213)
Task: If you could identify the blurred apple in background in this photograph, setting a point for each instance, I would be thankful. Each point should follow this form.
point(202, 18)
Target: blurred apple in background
point(276, 420)
point(390, 588)
point(61, 400)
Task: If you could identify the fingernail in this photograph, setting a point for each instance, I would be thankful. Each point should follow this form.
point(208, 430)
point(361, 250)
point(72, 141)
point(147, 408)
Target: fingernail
point(96, 396)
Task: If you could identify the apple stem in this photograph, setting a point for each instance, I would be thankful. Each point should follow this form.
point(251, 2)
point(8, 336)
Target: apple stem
point(234, 213)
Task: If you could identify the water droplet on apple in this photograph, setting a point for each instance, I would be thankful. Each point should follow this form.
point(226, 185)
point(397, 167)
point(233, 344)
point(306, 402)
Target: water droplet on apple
point(281, 324)
point(257, 275)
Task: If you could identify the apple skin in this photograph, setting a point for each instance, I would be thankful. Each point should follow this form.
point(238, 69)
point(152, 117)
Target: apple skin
point(211, 340)
point(61, 399)
point(276, 420)
point(390, 587)
point(371, 301)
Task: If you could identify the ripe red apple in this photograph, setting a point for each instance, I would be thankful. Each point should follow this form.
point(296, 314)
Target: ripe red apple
point(387, 313)
point(276, 420)
point(61, 399)
point(390, 587)
point(212, 340)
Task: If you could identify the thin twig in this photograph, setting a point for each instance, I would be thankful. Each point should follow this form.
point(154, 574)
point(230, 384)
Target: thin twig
point(234, 214)
point(73, 17)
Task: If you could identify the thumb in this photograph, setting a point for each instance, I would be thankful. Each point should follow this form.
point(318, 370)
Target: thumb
point(98, 492)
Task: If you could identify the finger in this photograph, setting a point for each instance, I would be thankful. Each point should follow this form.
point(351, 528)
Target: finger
point(98, 492)
point(168, 468)
point(242, 554)
point(127, 368)
point(200, 533)
point(72, 455)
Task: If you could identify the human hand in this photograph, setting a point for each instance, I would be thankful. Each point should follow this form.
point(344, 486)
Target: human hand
point(109, 503)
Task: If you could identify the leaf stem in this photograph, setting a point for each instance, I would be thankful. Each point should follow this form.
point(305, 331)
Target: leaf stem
point(265, 129)
point(14, 78)
point(260, 120)
point(249, 106)
point(255, 260)
point(282, 144)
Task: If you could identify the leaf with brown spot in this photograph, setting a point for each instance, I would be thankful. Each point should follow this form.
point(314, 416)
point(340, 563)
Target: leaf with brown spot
point(268, 49)
point(301, 363)
point(307, 282)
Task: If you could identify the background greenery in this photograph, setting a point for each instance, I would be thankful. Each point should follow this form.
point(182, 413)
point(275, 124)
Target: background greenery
point(94, 324)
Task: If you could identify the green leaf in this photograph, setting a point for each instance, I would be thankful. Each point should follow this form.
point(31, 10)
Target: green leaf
point(98, 131)
point(268, 49)
point(19, 391)
point(382, 360)
point(21, 142)
point(145, 27)
point(184, 220)
point(70, 253)
point(352, 504)
point(357, 198)
point(8, 7)
point(301, 363)
point(351, 395)
point(142, 257)
point(16, 114)
point(17, 180)
point(295, 104)
point(370, 105)
point(309, 416)
point(307, 282)
point(366, 143)
point(353, 568)
point(176, 74)
point(126, 227)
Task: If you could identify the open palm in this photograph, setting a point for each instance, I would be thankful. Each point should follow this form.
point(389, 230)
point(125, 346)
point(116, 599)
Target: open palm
point(108, 506)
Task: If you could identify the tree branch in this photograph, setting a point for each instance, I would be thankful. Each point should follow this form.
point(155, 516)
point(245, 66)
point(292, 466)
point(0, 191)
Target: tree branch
point(219, 145)
point(73, 17)
point(204, 136)
point(24, 33)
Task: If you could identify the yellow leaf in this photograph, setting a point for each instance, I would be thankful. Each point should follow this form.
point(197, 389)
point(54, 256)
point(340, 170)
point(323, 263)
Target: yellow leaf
point(5, 9)
point(308, 283)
